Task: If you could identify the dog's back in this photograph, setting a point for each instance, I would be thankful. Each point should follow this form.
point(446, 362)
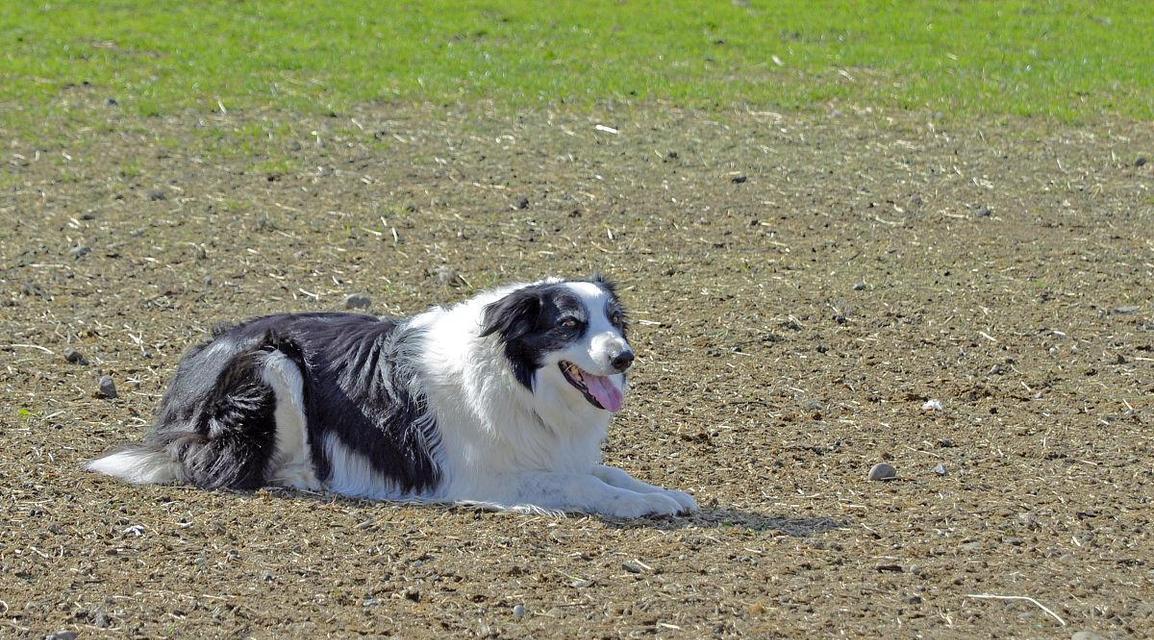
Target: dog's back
point(274, 392)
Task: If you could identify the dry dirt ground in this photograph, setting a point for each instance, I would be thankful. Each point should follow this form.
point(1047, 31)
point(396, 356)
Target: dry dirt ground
point(802, 285)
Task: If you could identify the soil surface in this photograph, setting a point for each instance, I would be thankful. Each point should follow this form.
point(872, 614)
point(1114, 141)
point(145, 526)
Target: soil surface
point(812, 294)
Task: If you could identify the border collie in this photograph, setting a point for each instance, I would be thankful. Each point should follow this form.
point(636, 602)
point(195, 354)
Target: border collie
point(501, 400)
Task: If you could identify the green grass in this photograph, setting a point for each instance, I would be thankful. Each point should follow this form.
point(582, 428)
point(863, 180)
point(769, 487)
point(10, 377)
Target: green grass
point(1066, 60)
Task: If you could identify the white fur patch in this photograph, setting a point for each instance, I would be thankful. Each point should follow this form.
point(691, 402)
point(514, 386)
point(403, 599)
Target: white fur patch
point(139, 466)
point(352, 474)
point(291, 465)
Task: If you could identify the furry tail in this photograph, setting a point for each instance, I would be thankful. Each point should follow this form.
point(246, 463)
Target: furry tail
point(140, 464)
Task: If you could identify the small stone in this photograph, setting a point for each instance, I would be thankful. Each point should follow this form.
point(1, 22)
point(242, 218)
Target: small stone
point(61, 635)
point(859, 286)
point(157, 195)
point(633, 566)
point(75, 357)
point(358, 301)
point(447, 276)
point(945, 443)
point(412, 594)
point(1128, 310)
point(523, 203)
point(932, 405)
point(940, 470)
point(518, 611)
point(985, 212)
point(106, 388)
point(882, 471)
point(1141, 161)
point(99, 618)
point(1087, 635)
point(79, 252)
point(738, 179)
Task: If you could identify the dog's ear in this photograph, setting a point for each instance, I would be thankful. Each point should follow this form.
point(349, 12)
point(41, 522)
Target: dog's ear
point(514, 315)
point(605, 283)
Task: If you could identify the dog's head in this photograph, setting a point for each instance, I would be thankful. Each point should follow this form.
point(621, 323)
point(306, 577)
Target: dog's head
point(571, 334)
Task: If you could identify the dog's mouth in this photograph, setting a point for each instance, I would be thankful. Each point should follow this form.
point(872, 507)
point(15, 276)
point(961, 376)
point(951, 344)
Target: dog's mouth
point(600, 391)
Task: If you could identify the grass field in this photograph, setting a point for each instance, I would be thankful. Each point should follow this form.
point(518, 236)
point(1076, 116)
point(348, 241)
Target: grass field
point(1066, 60)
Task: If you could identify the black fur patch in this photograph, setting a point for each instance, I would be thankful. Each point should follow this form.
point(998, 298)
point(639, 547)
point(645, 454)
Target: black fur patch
point(359, 384)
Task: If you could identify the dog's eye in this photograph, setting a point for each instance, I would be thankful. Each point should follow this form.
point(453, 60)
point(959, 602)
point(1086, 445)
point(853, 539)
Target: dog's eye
point(569, 324)
point(615, 318)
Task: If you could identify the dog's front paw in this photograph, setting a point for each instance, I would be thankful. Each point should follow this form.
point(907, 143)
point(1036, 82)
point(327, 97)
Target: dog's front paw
point(640, 505)
point(688, 504)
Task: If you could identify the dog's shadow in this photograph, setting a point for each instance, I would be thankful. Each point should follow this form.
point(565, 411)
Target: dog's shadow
point(731, 518)
point(714, 517)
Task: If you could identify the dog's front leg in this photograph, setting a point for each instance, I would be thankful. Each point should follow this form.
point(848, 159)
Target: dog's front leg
point(585, 493)
point(618, 478)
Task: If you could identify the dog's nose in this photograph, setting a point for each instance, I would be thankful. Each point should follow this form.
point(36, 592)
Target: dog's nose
point(622, 360)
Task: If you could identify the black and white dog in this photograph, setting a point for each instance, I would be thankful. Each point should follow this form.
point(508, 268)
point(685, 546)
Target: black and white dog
point(503, 399)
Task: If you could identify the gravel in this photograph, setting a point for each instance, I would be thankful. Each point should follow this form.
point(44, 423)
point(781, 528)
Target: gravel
point(106, 388)
point(358, 301)
point(882, 471)
point(75, 357)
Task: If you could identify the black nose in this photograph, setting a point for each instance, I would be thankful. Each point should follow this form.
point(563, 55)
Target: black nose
point(622, 360)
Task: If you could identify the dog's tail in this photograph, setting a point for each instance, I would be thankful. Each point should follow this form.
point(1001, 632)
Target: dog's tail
point(140, 464)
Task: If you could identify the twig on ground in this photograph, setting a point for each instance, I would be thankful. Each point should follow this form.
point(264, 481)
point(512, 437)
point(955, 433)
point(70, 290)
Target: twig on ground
point(27, 346)
point(991, 596)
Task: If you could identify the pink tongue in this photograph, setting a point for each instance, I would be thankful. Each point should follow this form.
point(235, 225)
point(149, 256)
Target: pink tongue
point(602, 388)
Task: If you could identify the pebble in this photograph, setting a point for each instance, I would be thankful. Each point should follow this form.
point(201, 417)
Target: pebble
point(100, 619)
point(61, 635)
point(519, 611)
point(79, 252)
point(1141, 161)
point(1127, 310)
point(447, 276)
point(633, 566)
point(882, 471)
point(940, 470)
point(523, 203)
point(157, 195)
point(75, 357)
point(932, 405)
point(358, 301)
point(859, 286)
point(985, 212)
point(739, 179)
point(1087, 635)
point(106, 388)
